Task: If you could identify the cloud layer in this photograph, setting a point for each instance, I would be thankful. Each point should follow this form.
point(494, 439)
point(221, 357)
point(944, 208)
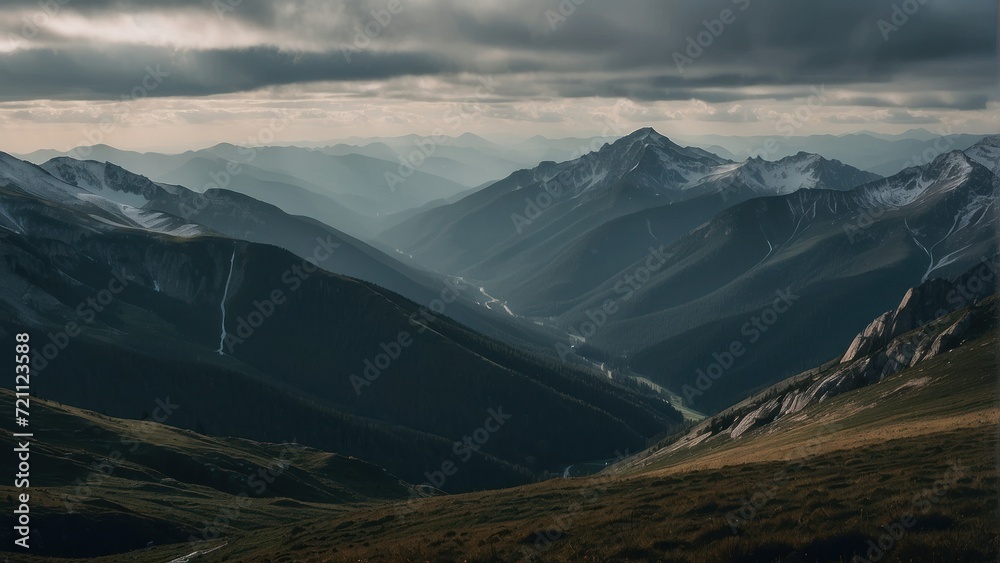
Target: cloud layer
point(883, 61)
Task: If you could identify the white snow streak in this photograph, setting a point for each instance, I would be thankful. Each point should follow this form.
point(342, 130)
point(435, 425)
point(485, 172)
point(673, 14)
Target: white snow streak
point(225, 296)
point(961, 222)
point(770, 247)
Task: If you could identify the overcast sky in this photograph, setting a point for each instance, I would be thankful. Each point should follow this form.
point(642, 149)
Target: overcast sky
point(190, 73)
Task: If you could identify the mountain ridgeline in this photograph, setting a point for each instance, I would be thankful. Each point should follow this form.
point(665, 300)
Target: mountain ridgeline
point(665, 287)
point(291, 340)
point(125, 316)
point(468, 330)
point(524, 221)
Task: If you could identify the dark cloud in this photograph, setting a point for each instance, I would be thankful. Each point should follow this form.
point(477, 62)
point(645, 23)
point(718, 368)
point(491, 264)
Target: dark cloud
point(771, 49)
point(260, 11)
point(151, 72)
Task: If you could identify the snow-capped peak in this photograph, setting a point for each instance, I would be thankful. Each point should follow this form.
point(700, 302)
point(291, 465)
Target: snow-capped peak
point(646, 136)
point(35, 181)
point(38, 182)
point(645, 161)
point(648, 163)
point(987, 153)
point(943, 174)
point(655, 165)
point(107, 180)
point(792, 173)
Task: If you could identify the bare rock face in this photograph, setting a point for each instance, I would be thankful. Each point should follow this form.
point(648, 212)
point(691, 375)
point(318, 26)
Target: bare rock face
point(868, 339)
point(896, 340)
point(952, 337)
point(921, 305)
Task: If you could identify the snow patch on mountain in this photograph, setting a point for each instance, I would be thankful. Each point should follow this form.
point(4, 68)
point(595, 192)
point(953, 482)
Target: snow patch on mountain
point(645, 160)
point(110, 223)
point(107, 180)
point(987, 153)
point(945, 174)
point(648, 164)
point(225, 297)
point(96, 184)
point(802, 171)
point(8, 220)
point(118, 209)
point(785, 176)
point(162, 223)
point(153, 221)
point(32, 180)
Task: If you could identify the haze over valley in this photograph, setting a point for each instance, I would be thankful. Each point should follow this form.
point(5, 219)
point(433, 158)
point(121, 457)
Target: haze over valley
point(438, 281)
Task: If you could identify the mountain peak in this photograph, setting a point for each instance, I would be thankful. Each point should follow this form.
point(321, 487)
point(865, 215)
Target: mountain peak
point(471, 139)
point(802, 170)
point(643, 138)
point(653, 164)
point(645, 134)
point(801, 157)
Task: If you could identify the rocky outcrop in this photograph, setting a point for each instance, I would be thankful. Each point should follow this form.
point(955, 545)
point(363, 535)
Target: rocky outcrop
point(921, 305)
point(922, 327)
point(932, 319)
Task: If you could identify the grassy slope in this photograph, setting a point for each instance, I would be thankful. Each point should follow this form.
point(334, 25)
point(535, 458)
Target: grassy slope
point(824, 488)
point(831, 484)
point(104, 485)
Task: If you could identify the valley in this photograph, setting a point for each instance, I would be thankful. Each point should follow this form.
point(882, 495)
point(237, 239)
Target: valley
point(674, 356)
point(915, 449)
point(388, 281)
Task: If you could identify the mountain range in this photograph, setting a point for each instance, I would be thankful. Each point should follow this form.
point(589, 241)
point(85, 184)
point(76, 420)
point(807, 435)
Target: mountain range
point(177, 310)
point(908, 412)
point(553, 222)
point(725, 239)
point(872, 152)
point(671, 318)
